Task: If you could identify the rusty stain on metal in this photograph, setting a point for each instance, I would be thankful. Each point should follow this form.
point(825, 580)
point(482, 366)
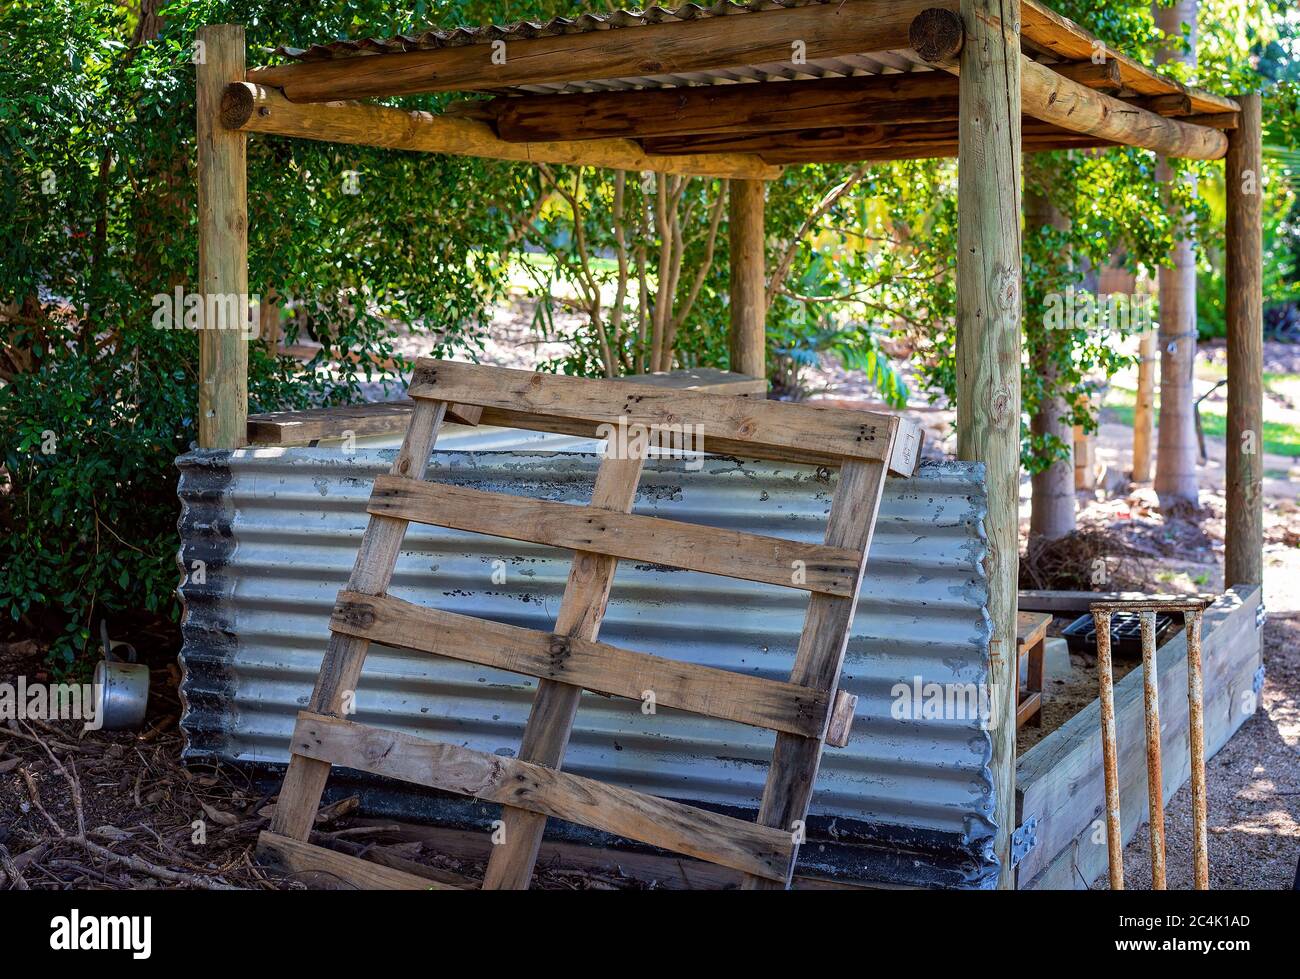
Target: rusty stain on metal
point(1110, 763)
point(1155, 783)
point(1192, 610)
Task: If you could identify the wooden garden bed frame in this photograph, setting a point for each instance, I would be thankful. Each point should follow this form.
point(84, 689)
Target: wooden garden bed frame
point(738, 92)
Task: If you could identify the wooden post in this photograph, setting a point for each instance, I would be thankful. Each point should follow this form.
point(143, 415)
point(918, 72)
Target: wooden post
point(748, 289)
point(988, 345)
point(1144, 413)
point(223, 243)
point(1244, 533)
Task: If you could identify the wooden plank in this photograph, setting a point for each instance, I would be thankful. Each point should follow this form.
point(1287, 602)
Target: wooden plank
point(344, 657)
point(827, 31)
point(555, 706)
point(989, 345)
point(1080, 601)
point(645, 818)
point(223, 244)
point(820, 656)
point(757, 424)
point(662, 871)
point(772, 704)
point(712, 550)
point(1031, 627)
point(711, 380)
point(1060, 778)
point(249, 108)
point(869, 100)
point(389, 417)
point(1244, 506)
point(849, 141)
point(747, 340)
point(329, 868)
point(1103, 76)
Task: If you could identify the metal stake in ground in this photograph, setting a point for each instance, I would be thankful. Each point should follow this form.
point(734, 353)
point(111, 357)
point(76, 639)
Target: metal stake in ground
point(1109, 759)
point(1155, 781)
point(1196, 722)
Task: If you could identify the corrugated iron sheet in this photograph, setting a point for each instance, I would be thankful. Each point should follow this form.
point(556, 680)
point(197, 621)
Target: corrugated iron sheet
point(486, 34)
point(278, 529)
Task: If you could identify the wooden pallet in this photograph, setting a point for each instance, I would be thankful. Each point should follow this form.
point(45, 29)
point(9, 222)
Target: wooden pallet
point(805, 711)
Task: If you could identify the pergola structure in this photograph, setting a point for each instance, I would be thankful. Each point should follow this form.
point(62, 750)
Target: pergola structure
point(738, 91)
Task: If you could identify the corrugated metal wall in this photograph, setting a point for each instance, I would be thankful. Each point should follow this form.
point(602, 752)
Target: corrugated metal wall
point(278, 530)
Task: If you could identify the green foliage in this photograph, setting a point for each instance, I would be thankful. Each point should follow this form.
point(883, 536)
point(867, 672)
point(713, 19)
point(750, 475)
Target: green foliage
point(99, 216)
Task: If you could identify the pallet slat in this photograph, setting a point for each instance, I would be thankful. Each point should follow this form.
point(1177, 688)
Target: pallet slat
point(817, 663)
point(772, 704)
point(734, 843)
point(734, 554)
point(304, 859)
point(760, 425)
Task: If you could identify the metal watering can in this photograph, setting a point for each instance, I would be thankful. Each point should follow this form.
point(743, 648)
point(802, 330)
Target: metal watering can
point(121, 685)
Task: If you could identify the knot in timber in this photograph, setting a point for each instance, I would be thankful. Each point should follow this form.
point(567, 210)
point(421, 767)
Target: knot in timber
point(1007, 285)
point(1000, 408)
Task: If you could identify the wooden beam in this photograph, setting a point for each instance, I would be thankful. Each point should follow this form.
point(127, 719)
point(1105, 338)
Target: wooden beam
point(1103, 77)
point(1044, 28)
point(988, 347)
point(223, 244)
point(596, 666)
point(847, 27)
point(654, 540)
point(1243, 177)
point(1055, 99)
point(765, 107)
point(876, 101)
point(840, 142)
point(254, 108)
point(748, 339)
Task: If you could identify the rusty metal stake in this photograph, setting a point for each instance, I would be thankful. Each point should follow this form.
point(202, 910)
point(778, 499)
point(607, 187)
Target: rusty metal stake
point(1155, 783)
point(1101, 617)
point(1110, 761)
point(1196, 725)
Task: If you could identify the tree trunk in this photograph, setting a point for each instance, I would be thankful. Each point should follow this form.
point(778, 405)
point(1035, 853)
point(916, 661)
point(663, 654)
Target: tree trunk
point(1052, 506)
point(1176, 451)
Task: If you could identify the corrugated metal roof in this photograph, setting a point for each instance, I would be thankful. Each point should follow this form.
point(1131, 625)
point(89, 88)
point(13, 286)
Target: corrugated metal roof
point(279, 529)
point(486, 34)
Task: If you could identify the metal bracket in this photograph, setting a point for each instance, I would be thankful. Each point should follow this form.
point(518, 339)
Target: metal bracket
point(1024, 839)
point(1257, 684)
point(1261, 615)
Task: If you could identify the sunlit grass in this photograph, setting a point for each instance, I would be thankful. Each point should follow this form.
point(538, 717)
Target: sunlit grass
point(1280, 438)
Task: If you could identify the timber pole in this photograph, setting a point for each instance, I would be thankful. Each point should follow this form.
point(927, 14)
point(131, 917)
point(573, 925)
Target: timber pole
point(1244, 532)
point(748, 288)
point(223, 243)
point(988, 347)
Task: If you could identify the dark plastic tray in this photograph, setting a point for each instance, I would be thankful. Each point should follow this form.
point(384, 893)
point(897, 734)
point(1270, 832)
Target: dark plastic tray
point(1125, 633)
